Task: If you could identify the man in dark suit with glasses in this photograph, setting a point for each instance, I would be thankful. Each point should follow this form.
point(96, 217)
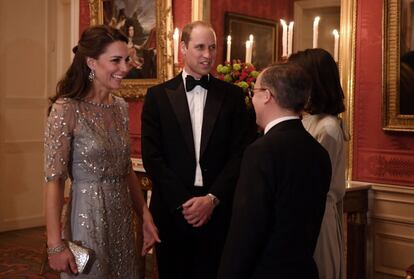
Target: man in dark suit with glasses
point(281, 192)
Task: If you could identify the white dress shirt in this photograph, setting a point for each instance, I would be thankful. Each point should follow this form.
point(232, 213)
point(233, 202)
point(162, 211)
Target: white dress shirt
point(196, 99)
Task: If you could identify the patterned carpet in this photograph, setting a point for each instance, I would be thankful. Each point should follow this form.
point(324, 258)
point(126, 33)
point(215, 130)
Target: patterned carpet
point(21, 254)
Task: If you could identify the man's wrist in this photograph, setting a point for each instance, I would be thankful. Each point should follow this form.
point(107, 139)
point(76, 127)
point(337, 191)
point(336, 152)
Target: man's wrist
point(214, 200)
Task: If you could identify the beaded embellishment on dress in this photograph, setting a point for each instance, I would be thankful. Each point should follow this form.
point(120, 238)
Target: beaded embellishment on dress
point(89, 143)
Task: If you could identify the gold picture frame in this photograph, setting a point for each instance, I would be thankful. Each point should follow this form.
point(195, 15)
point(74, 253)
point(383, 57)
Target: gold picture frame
point(393, 120)
point(136, 87)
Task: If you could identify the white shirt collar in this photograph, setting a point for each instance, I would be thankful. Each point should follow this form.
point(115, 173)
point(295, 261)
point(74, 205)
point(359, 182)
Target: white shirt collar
point(277, 121)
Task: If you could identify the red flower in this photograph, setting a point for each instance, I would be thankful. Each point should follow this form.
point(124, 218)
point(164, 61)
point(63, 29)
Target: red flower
point(243, 75)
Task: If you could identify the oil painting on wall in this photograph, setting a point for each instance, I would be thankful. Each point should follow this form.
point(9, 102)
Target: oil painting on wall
point(137, 19)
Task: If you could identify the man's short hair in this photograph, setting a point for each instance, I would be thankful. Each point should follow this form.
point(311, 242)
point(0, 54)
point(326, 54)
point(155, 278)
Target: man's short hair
point(188, 28)
point(289, 85)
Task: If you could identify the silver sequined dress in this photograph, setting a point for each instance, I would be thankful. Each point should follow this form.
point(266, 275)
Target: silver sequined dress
point(89, 143)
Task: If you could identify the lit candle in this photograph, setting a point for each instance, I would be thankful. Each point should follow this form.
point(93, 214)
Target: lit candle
point(175, 39)
point(248, 51)
point(228, 48)
point(251, 38)
point(336, 45)
point(315, 31)
point(290, 39)
point(284, 38)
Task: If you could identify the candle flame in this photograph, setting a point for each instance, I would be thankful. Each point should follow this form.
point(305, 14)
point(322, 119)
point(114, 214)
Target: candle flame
point(251, 38)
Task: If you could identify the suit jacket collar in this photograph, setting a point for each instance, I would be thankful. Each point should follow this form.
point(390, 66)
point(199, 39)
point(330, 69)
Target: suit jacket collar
point(177, 96)
point(286, 125)
point(278, 120)
point(178, 99)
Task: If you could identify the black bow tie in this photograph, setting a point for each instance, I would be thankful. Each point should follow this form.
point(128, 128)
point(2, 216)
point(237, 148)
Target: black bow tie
point(190, 82)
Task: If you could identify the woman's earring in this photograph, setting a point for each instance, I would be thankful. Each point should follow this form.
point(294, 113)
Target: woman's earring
point(91, 75)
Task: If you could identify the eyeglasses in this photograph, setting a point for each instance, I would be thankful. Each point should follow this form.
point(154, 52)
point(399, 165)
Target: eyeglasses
point(252, 91)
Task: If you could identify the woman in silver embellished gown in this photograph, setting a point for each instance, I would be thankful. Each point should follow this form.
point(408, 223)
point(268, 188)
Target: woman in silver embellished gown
point(87, 140)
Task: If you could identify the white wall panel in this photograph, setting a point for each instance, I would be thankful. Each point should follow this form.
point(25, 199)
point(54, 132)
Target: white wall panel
point(34, 51)
point(392, 230)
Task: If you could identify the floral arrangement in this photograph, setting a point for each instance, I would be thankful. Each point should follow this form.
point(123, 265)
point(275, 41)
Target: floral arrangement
point(239, 73)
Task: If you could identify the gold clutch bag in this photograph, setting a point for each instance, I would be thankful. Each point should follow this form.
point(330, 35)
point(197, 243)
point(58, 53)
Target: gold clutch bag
point(84, 257)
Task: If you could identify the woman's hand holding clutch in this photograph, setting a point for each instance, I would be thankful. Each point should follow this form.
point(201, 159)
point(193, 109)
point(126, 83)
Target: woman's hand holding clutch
point(62, 260)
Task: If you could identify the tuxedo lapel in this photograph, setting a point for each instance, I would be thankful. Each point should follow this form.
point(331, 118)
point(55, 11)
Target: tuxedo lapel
point(178, 100)
point(211, 110)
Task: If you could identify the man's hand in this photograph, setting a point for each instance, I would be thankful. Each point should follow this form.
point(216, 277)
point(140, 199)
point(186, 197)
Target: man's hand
point(197, 211)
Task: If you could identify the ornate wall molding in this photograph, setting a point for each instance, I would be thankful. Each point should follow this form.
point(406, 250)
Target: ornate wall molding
point(396, 167)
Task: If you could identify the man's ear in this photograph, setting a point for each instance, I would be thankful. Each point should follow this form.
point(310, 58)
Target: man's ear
point(183, 48)
point(267, 95)
point(91, 63)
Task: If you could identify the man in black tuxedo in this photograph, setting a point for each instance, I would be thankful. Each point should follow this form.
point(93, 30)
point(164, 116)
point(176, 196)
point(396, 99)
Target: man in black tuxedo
point(194, 130)
point(281, 192)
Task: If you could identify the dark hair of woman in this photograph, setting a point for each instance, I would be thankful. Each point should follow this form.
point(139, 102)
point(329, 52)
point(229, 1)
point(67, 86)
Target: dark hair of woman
point(326, 94)
point(93, 42)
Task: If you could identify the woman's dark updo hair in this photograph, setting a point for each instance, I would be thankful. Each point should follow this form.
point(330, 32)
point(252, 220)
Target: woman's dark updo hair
point(326, 94)
point(93, 42)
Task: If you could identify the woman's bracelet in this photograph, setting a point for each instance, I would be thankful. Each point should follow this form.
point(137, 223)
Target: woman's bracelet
point(57, 249)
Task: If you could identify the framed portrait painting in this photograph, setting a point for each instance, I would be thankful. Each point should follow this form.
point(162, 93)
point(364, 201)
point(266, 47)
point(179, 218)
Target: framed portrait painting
point(240, 27)
point(146, 24)
point(398, 70)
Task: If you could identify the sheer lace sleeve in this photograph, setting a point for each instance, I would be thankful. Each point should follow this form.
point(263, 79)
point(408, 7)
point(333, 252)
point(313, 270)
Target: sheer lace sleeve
point(58, 137)
point(125, 116)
